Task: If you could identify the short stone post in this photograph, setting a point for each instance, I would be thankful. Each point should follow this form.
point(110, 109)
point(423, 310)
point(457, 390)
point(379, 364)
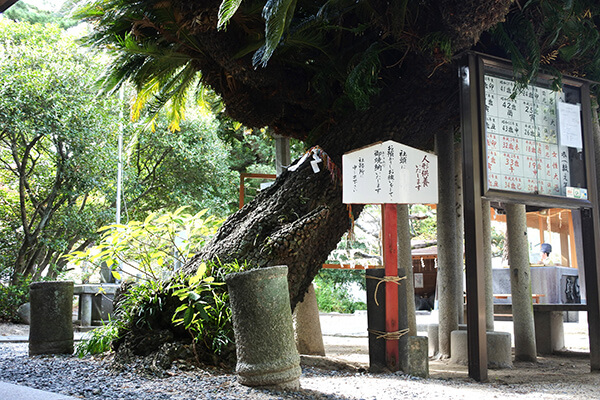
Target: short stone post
point(51, 328)
point(263, 328)
point(309, 339)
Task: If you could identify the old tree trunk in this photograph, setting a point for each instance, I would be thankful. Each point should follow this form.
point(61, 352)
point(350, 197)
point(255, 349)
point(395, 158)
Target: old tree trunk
point(300, 219)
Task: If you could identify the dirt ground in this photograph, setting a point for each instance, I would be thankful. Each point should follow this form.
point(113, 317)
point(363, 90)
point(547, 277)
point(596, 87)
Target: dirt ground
point(571, 366)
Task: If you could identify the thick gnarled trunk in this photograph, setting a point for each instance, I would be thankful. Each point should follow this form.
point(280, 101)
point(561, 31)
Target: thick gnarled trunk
point(296, 222)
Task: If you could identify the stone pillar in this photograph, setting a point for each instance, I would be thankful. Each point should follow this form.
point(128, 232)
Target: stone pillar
point(282, 153)
point(487, 259)
point(520, 282)
point(263, 328)
point(309, 339)
point(51, 328)
point(85, 309)
point(446, 242)
point(407, 318)
point(460, 233)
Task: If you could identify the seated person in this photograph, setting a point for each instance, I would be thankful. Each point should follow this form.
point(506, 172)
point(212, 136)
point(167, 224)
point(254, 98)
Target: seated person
point(546, 249)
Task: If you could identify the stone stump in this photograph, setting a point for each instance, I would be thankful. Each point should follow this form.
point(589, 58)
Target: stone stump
point(51, 327)
point(263, 328)
point(309, 338)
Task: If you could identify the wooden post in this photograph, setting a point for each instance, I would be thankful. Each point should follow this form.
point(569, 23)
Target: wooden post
point(390, 262)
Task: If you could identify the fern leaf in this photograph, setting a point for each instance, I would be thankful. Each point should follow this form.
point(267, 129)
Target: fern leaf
point(226, 11)
point(278, 15)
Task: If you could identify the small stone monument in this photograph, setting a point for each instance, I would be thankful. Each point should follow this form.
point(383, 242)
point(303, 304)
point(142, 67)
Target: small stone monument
point(51, 327)
point(263, 328)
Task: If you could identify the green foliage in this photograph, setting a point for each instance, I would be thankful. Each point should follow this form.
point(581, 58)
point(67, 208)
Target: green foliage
point(153, 247)
point(423, 225)
point(198, 304)
point(11, 297)
point(335, 296)
point(204, 311)
point(552, 35)
point(55, 145)
point(165, 170)
point(24, 12)
point(99, 340)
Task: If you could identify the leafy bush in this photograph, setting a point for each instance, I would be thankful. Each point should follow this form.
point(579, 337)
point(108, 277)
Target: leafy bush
point(153, 247)
point(11, 297)
point(100, 339)
point(195, 308)
point(204, 311)
point(335, 296)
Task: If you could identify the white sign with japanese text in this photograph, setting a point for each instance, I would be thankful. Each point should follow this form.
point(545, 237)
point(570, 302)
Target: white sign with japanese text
point(389, 172)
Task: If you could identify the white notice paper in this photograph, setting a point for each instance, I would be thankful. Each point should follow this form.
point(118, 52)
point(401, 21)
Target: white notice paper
point(389, 172)
point(569, 125)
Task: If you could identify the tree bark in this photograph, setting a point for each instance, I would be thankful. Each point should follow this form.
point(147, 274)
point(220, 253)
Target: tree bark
point(296, 222)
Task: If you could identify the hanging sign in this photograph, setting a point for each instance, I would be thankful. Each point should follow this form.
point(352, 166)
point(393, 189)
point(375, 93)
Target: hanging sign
point(389, 172)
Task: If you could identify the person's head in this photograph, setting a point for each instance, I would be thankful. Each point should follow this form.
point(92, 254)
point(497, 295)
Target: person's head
point(545, 249)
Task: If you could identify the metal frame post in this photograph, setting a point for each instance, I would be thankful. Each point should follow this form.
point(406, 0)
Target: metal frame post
point(476, 333)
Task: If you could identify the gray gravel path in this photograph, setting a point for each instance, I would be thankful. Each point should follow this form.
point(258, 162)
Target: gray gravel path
point(91, 378)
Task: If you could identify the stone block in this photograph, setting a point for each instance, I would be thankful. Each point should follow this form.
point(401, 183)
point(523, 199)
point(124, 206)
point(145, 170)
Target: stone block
point(309, 339)
point(24, 313)
point(433, 331)
point(549, 332)
point(417, 358)
point(498, 349)
point(51, 329)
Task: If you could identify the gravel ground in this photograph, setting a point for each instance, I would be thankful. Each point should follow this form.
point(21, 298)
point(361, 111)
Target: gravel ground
point(92, 378)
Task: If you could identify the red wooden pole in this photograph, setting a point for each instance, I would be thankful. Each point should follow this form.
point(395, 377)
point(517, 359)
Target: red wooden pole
point(390, 262)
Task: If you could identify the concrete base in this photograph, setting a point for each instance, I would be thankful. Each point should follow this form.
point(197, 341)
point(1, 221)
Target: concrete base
point(417, 361)
point(498, 349)
point(549, 332)
point(307, 326)
point(433, 332)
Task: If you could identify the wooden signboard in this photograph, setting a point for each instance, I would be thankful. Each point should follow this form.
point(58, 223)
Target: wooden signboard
point(389, 173)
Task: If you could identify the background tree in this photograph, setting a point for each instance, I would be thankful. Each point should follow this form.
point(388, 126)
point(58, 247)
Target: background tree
point(58, 154)
point(54, 145)
point(340, 74)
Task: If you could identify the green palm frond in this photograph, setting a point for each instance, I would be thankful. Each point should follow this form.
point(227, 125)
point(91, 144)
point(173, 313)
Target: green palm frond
point(278, 16)
point(226, 11)
point(362, 81)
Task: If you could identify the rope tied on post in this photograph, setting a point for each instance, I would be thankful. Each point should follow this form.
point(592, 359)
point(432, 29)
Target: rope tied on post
point(387, 278)
point(388, 335)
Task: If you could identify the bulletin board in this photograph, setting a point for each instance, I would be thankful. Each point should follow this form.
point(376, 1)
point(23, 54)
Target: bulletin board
point(533, 138)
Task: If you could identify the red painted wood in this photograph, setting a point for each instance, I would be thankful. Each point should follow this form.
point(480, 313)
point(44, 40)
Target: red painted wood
point(390, 262)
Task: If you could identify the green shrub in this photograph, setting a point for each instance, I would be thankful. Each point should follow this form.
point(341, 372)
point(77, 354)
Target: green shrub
point(335, 297)
point(99, 340)
point(195, 308)
point(204, 311)
point(11, 297)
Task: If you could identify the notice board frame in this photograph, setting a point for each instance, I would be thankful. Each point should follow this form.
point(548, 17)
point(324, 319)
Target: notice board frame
point(475, 191)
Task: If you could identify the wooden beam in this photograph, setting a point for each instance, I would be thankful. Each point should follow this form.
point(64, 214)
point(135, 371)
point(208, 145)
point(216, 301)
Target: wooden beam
point(6, 4)
point(390, 263)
